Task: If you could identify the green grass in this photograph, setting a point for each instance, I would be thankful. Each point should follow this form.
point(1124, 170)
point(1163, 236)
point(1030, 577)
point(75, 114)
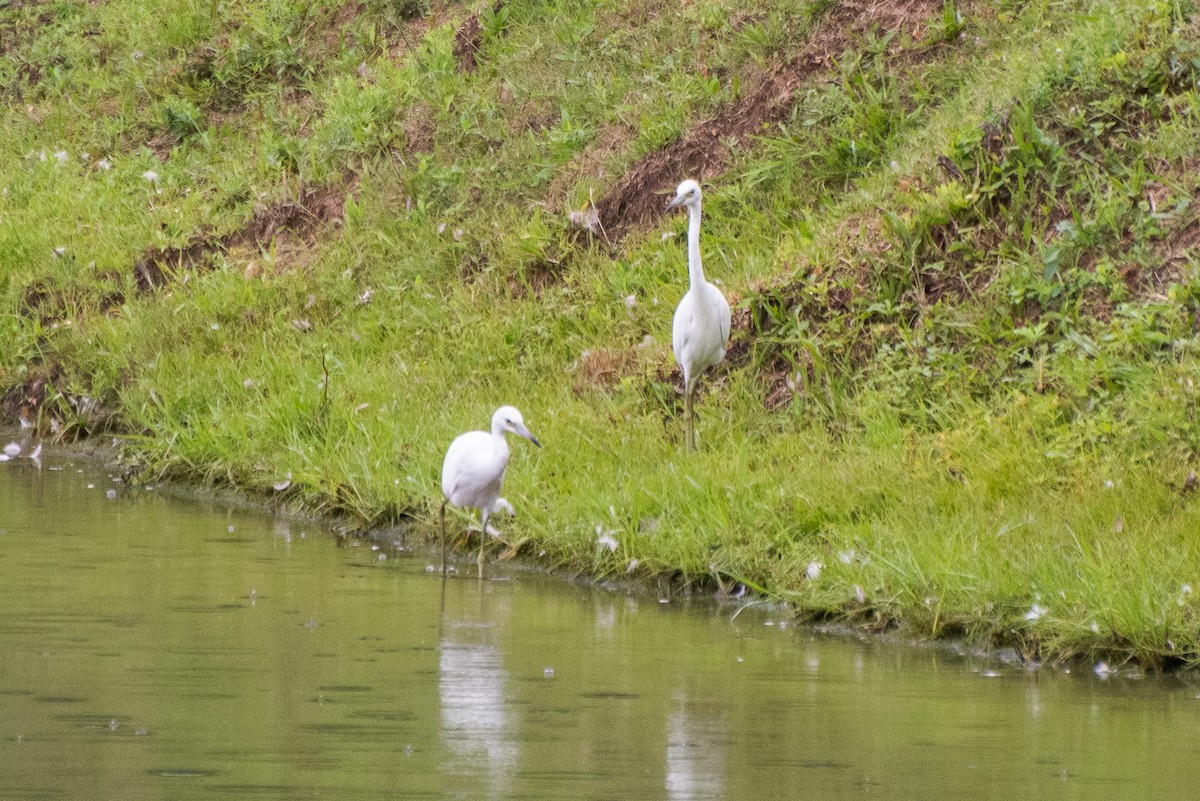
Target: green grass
point(962, 392)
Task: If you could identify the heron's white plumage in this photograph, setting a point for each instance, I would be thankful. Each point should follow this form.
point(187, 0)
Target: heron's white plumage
point(701, 325)
point(473, 470)
point(700, 329)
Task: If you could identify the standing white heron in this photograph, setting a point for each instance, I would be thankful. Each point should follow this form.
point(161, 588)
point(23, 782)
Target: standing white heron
point(473, 472)
point(701, 326)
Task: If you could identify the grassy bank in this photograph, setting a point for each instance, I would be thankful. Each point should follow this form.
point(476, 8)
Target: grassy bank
point(302, 245)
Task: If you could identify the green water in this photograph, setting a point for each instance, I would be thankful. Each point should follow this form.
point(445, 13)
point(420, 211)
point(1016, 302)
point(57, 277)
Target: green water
point(160, 649)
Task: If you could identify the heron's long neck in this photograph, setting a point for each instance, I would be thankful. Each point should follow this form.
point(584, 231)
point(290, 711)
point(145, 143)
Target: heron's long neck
point(499, 442)
point(695, 269)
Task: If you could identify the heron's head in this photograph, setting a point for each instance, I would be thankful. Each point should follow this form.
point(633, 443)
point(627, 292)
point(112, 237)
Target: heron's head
point(686, 194)
point(507, 418)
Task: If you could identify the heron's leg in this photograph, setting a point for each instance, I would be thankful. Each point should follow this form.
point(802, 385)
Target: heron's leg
point(444, 537)
point(441, 606)
point(689, 429)
point(483, 516)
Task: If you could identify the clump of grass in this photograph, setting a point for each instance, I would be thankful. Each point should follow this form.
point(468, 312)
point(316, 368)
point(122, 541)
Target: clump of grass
point(184, 119)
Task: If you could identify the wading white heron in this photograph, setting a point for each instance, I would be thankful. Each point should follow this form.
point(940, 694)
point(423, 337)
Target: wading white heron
point(473, 472)
point(701, 326)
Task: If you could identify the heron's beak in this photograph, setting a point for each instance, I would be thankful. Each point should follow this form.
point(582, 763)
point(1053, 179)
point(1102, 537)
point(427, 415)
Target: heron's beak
point(675, 203)
point(527, 434)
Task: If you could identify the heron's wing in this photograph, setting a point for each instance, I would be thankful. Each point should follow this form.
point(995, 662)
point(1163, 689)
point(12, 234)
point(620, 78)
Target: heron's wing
point(468, 467)
point(726, 318)
point(682, 327)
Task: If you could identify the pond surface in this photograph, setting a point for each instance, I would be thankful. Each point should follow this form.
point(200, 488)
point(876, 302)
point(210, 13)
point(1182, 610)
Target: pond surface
point(153, 648)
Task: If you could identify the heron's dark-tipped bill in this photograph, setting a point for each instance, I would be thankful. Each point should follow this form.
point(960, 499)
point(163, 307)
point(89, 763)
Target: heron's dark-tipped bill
point(675, 202)
point(522, 431)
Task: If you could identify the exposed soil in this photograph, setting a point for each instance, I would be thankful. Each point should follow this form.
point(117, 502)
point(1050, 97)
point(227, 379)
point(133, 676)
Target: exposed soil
point(419, 132)
point(1180, 243)
point(1178, 249)
point(25, 399)
point(603, 367)
point(16, 31)
point(536, 276)
point(327, 36)
point(468, 39)
point(702, 152)
point(786, 381)
point(285, 226)
point(404, 39)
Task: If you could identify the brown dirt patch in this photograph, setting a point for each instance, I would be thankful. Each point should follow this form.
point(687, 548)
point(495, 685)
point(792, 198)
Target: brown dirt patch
point(787, 381)
point(531, 115)
point(419, 133)
point(327, 35)
point(25, 399)
point(1179, 244)
point(468, 39)
point(413, 31)
point(536, 276)
point(603, 367)
point(780, 391)
point(46, 395)
point(702, 152)
point(287, 227)
point(1178, 249)
point(18, 30)
point(157, 265)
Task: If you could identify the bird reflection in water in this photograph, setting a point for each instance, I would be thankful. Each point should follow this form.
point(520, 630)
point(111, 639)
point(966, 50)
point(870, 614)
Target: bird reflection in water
point(695, 753)
point(476, 723)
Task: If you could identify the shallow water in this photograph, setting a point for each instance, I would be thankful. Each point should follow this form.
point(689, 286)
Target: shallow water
point(158, 648)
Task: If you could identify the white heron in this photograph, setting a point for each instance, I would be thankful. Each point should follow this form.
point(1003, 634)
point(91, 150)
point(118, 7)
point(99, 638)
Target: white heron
point(701, 326)
point(473, 472)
